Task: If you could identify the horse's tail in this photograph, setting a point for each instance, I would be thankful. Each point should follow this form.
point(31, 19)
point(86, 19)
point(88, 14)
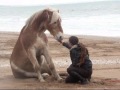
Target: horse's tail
point(16, 71)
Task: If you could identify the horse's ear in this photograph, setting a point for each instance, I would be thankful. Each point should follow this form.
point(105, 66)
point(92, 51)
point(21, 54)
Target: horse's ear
point(58, 11)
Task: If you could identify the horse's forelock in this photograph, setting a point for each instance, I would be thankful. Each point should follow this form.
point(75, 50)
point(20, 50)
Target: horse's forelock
point(55, 17)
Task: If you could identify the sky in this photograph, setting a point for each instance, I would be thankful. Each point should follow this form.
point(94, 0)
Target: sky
point(41, 2)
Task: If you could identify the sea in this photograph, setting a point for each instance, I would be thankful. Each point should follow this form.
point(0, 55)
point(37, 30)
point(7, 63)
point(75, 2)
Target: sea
point(91, 18)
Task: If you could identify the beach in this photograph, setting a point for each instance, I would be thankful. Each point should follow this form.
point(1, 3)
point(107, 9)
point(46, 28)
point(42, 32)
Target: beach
point(104, 54)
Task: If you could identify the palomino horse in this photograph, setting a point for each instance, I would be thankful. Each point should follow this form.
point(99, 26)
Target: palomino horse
point(31, 52)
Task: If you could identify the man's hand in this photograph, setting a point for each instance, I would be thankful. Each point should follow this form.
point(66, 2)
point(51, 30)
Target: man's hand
point(61, 41)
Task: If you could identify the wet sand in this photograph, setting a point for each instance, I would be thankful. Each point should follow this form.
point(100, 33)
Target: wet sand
point(104, 53)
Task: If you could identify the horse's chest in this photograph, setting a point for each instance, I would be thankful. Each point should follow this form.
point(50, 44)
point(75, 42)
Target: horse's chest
point(39, 43)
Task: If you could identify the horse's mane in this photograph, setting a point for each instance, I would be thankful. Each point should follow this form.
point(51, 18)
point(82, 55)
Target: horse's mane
point(33, 18)
point(36, 15)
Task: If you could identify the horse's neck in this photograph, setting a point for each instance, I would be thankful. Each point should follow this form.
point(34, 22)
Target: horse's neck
point(44, 37)
point(36, 22)
point(41, 32)
point(36, 25)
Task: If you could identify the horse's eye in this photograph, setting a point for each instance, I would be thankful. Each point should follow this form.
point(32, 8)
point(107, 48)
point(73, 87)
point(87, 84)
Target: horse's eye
point(55, 22)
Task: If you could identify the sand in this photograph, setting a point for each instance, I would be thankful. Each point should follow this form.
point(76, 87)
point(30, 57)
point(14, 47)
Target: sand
point(104, 53)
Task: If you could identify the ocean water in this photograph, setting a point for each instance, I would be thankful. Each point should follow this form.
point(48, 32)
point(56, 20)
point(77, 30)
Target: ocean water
point(93, 18)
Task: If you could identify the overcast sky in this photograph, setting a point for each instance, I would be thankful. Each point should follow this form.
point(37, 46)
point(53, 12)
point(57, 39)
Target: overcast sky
point(41, 2)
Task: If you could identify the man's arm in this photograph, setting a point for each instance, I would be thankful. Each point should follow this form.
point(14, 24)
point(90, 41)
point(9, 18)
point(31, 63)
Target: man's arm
point(66, 45)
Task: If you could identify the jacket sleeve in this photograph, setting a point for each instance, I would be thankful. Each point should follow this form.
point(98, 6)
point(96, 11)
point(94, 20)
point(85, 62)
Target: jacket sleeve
point(66, 45)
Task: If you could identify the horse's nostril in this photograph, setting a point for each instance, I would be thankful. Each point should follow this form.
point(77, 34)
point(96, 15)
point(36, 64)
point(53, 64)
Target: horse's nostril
point(60, 37)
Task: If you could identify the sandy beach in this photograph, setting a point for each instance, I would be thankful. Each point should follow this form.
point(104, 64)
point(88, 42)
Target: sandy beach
point(104, 53)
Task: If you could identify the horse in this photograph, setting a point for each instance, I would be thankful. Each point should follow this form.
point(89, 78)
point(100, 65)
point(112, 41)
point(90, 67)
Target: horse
point(30, 56)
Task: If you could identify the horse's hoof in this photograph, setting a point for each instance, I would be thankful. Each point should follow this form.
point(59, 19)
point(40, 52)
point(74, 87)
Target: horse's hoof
point(42, 80)
point(60, 80)
point(45, 75)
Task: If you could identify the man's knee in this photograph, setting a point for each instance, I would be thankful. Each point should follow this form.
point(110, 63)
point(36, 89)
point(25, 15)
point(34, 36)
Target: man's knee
point(69, 70)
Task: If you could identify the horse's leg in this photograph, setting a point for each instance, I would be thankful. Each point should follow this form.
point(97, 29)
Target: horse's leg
point(45, 70)
point(44, 66)
point(35, 63)
point(51, 65)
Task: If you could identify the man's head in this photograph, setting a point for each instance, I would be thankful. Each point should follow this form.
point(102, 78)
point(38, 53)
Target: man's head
point(73, 40)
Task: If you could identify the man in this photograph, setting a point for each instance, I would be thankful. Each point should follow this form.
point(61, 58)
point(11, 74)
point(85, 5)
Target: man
point(81, 67)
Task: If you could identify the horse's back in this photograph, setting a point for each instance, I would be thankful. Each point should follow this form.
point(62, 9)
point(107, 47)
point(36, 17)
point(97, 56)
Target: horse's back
point(20, 60)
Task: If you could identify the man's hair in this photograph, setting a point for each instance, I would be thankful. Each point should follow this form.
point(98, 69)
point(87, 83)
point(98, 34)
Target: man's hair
point(73, 40)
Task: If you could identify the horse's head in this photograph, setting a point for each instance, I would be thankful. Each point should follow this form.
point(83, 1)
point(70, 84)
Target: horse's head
point(54, 24)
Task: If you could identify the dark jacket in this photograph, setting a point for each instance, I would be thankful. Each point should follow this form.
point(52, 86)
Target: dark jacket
point(75, 55)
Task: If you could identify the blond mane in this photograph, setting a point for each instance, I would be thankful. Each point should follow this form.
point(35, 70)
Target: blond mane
point(31, 20)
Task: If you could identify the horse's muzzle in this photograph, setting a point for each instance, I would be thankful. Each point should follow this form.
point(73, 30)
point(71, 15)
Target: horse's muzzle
point(59, 37)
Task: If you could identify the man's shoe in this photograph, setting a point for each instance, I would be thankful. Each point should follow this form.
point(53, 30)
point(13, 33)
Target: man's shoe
point(84, 82)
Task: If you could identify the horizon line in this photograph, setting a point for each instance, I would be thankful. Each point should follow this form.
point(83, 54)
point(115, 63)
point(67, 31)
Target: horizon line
point(54, 3)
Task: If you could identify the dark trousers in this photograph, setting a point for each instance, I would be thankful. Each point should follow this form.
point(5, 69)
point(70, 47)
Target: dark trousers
point(77, 74)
